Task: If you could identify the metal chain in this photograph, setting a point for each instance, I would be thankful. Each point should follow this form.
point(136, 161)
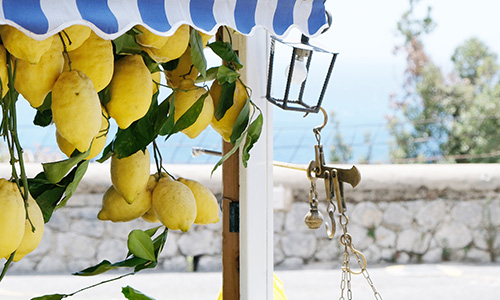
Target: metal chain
point(346, 240)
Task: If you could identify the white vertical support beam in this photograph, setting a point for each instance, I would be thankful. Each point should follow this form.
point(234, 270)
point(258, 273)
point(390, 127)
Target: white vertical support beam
point(256, 181)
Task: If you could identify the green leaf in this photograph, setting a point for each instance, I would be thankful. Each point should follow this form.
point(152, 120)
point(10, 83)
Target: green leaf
point(241, 122)
point(81, 169)
point(159, 242)
point(133, 294)
point(51, 297)
point(140, 244)
point(225, 100)
point(225, 51)
point(170, 65)
point(211, 75)
point(106, 153)
point(237, 144)
point(253, 133)
point(55, 171)
point(126, 44)
point(152, 231)
point(166, 123)
point(197, 55)
point(130, 262)
point(190, 116)
point(152, 65)
point(43, 115)
point(105, 95)
point(139, 134)
point(100, 268)
point(225, 74)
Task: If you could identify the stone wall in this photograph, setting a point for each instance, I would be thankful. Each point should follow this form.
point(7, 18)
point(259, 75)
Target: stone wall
point(398, 213)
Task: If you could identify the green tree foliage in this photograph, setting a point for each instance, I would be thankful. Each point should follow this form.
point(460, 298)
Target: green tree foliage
point(441, 117)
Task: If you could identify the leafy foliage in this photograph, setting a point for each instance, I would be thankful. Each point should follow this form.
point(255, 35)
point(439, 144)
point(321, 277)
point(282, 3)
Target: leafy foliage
point(446, 117)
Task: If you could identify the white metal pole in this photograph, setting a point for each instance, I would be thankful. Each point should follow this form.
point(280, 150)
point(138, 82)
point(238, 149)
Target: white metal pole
point(256, 181)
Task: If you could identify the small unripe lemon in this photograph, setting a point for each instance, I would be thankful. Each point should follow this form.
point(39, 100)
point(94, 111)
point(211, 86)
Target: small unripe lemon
point(131, 91)
point(76, 109)
point(174, 204)
point(31, 239)
point(22, 46)
point(12, 217)
point(184, 98)
point(130, 175)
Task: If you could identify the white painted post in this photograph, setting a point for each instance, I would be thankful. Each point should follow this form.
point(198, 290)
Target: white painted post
point(256, 181)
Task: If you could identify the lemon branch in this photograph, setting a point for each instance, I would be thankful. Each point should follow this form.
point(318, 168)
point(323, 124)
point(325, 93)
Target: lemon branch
point(6, 266)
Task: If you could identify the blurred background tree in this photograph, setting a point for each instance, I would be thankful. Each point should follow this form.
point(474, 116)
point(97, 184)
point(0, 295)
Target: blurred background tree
point(442, 117)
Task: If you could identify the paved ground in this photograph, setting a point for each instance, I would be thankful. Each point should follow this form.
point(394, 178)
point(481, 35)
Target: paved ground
point(408, 282)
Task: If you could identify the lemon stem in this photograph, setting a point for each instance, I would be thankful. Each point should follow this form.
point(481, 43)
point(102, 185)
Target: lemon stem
point(6, 265)
point(65, 51)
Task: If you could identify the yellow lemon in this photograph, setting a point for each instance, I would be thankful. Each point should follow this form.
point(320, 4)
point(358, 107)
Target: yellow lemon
point(173, 48)
point(74, 36)
point(148, 39)
point(174, 204)
point(130, 175)
point(22, 46)
point(34, 82)
point(94, 58)
point(156, 81)
point(185, 70)
point(31, 239)
point(224, 126)
point(150, 215)
point(97, 144)
point(130, 90)
point(12, 217)
point(3, 71)
point(116, 209)
point(207, 209)
point(184, 98)
point(76, 109)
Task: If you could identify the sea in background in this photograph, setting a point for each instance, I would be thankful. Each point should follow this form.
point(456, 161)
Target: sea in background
point(359, 100)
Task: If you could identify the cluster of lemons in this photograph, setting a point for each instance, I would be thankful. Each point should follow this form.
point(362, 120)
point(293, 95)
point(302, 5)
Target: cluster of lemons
point(74, 66)
point(135, 193)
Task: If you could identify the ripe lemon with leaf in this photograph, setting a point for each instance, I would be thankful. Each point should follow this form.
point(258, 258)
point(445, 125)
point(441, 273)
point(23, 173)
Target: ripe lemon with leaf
point(224, 126)
point(185, 70)
point(130, 175)
point(76, 109)
point(187, 96)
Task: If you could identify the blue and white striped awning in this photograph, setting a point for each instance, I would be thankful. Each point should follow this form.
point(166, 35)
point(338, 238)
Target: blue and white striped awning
point(111, 18)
